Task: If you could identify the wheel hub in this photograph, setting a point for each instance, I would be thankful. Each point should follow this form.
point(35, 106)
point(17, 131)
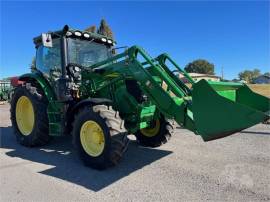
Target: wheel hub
point(25, 116)
point(92, 138)
point(152, 130)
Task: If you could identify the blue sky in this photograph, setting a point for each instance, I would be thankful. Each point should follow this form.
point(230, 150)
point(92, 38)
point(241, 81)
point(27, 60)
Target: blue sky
point(232, 35)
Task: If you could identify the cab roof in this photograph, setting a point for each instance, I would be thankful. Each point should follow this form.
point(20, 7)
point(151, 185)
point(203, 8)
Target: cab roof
point(76, 33)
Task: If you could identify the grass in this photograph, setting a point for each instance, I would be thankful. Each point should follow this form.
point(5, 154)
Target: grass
point(263, 89)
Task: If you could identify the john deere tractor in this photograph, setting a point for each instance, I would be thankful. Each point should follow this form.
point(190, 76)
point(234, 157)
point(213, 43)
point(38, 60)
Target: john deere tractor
point(81, 86)
point(5, 89)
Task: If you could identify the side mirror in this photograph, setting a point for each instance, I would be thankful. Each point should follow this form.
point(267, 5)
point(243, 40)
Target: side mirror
point(47, 40)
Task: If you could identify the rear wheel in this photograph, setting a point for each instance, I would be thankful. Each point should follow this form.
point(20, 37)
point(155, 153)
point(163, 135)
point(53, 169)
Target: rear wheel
point(157, 134)
point(29, 116)
point(99, 136)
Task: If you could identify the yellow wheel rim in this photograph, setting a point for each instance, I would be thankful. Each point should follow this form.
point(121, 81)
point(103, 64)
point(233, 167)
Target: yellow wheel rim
point(25, 116)
point(151, 132)
point(92, 138)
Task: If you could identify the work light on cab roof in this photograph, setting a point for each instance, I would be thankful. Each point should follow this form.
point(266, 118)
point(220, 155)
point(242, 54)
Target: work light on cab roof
point(75, 33)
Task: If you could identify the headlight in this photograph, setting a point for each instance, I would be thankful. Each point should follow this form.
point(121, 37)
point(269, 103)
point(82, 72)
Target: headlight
point(103, 39)
point(77, 33)
point(73, 68)
point(76, 69)
point(86, 35)
point(110, 41)
point(69, 33)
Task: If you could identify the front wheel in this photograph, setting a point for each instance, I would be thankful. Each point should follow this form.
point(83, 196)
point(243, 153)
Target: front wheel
point(99, 136)
point(157, 134)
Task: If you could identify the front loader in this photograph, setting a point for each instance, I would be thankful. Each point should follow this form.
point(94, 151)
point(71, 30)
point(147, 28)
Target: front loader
point(80, 87)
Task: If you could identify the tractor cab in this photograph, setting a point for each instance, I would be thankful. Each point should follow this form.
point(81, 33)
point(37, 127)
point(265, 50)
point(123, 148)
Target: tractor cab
point(56, 50)
point(61, 54)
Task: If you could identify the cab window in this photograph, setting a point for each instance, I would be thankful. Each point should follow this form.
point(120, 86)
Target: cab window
point(48, 59)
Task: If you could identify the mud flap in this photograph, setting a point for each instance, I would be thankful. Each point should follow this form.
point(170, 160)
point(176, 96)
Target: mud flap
point(216, 116)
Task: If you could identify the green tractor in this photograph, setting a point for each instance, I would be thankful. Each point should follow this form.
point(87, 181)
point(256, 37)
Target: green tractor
point(80, 86)
point(5, 88)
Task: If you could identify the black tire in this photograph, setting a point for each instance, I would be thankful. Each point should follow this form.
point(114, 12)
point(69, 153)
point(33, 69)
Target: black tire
point(161, 137)
point(115, 136)
point(40, 132)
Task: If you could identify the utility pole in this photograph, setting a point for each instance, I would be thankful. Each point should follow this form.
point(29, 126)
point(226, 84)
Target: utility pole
point(222, 74)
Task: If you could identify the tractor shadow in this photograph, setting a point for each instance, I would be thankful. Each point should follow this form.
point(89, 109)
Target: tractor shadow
point(67, 166)
point(255, 132)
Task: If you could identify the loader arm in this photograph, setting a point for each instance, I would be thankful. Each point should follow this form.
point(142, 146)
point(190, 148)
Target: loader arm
point(211, 110)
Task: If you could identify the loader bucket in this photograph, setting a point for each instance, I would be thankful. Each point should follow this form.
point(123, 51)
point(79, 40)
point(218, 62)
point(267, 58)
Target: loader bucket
point(221, 109)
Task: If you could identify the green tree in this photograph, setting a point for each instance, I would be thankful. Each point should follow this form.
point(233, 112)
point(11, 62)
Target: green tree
point(200, 66)
point(256, 73)
point(249, 75)
point(104, 29)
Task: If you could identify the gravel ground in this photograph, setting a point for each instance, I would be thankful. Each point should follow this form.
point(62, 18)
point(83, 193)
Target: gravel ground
point(236, 168)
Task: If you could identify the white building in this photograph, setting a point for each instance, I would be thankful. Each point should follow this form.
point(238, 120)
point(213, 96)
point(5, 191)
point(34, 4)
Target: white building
point(197, 77)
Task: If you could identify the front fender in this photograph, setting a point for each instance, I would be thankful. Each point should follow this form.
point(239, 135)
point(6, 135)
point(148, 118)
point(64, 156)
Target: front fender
point(83, 103)
point(90, 102)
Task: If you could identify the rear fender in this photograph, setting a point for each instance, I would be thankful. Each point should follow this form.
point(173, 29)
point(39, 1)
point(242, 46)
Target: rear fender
point(44, 84)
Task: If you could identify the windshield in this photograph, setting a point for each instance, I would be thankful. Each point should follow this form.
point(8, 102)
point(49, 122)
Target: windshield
point(86, 53)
